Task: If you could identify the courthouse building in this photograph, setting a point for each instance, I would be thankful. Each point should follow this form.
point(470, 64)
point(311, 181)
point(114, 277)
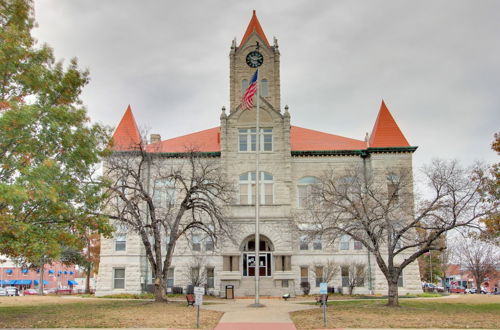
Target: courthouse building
point(291, 158)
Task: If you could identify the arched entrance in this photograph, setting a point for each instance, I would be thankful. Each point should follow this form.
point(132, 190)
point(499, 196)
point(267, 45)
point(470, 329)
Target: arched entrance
point(250, 266)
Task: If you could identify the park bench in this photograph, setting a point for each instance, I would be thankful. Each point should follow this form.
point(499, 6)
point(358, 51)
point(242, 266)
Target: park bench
point(190, 299)
point(322, 299)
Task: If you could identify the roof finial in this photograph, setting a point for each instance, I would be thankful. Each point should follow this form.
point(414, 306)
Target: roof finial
point(223, 114)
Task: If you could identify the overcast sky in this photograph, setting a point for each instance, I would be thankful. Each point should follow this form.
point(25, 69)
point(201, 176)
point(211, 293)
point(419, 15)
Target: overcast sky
point(435, 63)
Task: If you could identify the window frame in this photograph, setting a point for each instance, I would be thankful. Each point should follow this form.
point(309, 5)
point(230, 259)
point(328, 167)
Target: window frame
point(115, 278)
point(249, 137)
point(248, 184)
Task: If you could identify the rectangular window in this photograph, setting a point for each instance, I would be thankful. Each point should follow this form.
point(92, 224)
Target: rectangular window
point(231, 263)
point(248, 139)
point(358, 245)
point(304, 274)
point(344, 270)
point(196, 243)
point(284, 283)
point(209, 244)
point(304, 245)
point(400, 280)
point(344, 242)
point(170, 278)
point(317, 245)
point(210, 277)
point(319, 275)
point(119, 278)
point(120, 243)
point(268, 194)
point(360, 276)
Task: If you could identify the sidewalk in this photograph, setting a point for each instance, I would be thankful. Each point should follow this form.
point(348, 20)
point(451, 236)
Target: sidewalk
point(274, 315)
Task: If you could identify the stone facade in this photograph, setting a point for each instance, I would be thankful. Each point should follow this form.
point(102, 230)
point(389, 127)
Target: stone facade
point(286, 166)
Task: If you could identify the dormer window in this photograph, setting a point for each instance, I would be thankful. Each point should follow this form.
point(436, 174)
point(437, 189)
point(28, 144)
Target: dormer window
point(248, 139)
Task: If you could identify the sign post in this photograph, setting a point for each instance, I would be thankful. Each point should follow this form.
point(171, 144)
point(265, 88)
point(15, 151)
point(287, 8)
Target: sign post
point(198, 301)
point(323, 289)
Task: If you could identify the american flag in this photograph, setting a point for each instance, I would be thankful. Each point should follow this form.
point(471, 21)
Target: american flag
point(247, 101)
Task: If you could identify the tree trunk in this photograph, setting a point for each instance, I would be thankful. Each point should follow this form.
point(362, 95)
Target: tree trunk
point(478, 285)
point(87, 280)
point(393, 294)
point(40, 288)
point(160, 290)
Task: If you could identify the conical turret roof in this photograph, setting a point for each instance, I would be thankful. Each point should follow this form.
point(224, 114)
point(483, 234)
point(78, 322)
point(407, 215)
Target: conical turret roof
point(386, 132)
point(254, 26)
point(126, 136)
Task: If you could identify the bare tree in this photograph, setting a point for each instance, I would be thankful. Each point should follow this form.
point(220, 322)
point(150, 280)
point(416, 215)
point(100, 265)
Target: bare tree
point(376, 207)
point(196, 272)
point(353, 275)
point(330, 271)
point(480, 258)
point(163, 197)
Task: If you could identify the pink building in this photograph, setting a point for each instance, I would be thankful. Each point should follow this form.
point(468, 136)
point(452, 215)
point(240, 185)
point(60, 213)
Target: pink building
point(55, 276)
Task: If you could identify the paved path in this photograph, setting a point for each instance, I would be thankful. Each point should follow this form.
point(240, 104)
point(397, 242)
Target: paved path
point(238, 315)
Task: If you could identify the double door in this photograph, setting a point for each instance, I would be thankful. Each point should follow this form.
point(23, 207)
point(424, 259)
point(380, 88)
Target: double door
point(250, 265)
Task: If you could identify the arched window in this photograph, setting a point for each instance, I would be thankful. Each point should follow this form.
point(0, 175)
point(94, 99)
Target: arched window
point(264, 87)
point(244, 86)
point(247, 188)
point(304, 190)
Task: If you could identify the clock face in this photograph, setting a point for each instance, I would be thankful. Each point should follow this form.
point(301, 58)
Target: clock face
point(255, 59)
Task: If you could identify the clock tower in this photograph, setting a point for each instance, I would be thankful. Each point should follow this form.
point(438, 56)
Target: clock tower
point(254, 51)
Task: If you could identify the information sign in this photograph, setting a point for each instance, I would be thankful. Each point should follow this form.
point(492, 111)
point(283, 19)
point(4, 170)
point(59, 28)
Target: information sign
point(323, 288)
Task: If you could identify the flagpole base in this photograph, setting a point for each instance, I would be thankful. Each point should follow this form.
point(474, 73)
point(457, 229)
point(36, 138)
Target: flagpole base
point(256, 305)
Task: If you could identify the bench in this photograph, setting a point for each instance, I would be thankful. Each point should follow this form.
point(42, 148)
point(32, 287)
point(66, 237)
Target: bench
point(190, 300)
point(323, 299)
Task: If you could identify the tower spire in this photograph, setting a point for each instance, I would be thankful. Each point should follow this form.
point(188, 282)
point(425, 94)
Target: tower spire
point(386, 132)
point(254, 26)
point(126, 136)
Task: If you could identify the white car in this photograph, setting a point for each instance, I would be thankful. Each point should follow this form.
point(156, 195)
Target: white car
point(3, 292)
point(12, 291)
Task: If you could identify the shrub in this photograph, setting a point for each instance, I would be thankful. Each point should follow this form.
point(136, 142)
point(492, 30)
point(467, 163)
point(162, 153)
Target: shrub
point(306, 287)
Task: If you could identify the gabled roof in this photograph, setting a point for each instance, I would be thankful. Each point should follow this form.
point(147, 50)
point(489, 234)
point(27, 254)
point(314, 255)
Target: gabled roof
point(126, 136)
point(386, 132)
point(303, 139)
point(254, 26)
point(203, 141)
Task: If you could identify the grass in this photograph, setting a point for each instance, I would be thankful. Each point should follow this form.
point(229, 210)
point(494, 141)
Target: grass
point(56, 312)
point(453, 312)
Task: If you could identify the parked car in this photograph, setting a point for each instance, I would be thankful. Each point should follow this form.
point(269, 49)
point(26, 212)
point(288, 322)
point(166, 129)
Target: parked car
point(3, 292)
point(474, 290)
point(12, 291)
point(30, 292)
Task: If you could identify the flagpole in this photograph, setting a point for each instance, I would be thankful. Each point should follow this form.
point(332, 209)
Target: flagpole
point(257, 198)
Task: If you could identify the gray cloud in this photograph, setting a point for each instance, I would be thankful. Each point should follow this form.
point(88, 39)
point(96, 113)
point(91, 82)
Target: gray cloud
point(435, 63)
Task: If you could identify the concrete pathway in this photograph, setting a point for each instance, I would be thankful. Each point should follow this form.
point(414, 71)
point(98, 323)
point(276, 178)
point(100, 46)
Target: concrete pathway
point(238, 315)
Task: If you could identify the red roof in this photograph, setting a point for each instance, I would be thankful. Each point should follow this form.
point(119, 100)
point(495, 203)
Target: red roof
point(203, 141)
point(254, 26)
point(126, 136)
point(386, 132)
point(303, 139)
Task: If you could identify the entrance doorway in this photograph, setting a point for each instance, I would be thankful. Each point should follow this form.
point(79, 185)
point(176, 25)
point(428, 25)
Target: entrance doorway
point(250, 264)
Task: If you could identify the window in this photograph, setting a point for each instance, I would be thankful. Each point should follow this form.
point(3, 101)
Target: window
point(344, 242)
point(344, 271)
point(209, 244)
point(120, 242)
point(358, 245)
point(317, 244)
point(360, 275)
point(248, 139)
point(196, 242)
point(247, 188)
point(305, 190)
point(283, 263)
point(210, 277)
point(400, 280)
point(119, 278)
point(231, 263)
point(164, 192)
point(319, 275)
point(244, 86)
point(264, 88)
point(304, 274)
point(284, 283)
point(392, 187)
point(170, 278)
point(304, 244)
